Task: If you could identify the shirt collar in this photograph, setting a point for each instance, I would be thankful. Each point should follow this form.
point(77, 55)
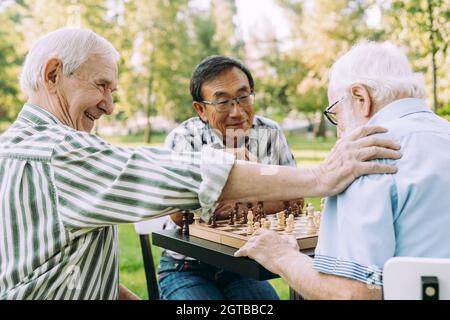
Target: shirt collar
point(37, 115)
point(399, 109)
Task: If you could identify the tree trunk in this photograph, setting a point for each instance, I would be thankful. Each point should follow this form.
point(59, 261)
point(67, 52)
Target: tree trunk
point(320, 130)
point(147, 109)
point(433, 55)
point(148, 125)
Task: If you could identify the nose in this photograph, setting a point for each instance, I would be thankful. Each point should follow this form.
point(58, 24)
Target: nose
point(107, 105)
point(236, 110)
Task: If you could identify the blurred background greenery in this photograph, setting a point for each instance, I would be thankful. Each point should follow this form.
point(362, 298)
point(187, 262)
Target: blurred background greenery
point(288, 45)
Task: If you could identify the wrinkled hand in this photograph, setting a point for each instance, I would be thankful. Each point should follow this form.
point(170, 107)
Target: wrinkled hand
point(348, 159)
point(269, 249)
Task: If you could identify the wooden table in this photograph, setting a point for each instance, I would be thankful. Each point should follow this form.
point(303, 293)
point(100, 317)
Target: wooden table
point(215, 254)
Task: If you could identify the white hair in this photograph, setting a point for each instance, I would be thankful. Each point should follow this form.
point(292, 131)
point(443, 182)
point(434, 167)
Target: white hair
point(73, 46)
point(382, 68)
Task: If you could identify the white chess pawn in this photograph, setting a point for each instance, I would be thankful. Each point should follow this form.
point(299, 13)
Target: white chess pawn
point(317, 216)
point(310, 209)
point(250, 216)
point(256, 227)
point(250, 228)
point(280, 221)
point(311, 227)
point(266, 224)
point(262, 221)
point(322, 204)
point(196, 219)
point(290, 223)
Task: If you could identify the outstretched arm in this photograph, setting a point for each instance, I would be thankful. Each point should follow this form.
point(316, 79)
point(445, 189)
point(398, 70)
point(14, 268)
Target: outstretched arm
point(347, 160)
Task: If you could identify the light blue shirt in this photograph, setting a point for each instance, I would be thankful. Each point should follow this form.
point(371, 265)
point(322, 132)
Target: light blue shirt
point(405, 214)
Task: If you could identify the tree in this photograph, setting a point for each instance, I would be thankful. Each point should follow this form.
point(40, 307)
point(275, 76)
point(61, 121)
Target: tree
point(11, 59)
point(322, 31)
point(424, 26)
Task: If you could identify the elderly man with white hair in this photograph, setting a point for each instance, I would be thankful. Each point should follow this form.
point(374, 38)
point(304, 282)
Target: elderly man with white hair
point(63, 190)
point(378, 216)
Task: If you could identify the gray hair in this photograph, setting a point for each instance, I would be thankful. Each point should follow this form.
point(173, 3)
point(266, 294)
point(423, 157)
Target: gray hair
point(73, 46)
point(382, 68)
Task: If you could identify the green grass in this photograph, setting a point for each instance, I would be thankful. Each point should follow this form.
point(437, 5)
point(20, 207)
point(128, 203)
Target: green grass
point(307, 152)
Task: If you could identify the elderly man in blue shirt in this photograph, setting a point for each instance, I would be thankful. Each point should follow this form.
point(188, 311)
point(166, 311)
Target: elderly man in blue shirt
point(378, 216)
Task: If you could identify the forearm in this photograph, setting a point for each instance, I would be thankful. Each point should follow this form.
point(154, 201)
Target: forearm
point(252, 182)
point(297, 270)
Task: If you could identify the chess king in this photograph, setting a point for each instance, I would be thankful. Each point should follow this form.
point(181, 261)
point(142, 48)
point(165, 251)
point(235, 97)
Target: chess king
point(379, 216)
point(223, 94)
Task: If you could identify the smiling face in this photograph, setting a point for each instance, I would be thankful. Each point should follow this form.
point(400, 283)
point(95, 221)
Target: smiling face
point(228, 84)
point(87, 94)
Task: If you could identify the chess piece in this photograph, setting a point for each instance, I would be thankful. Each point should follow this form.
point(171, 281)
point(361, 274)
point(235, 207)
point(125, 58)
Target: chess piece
point(311, 228)
point(213, 220)
point(295, 209)
point(280, 221)
point(231, 222)
point(250, 217)
point(310, 210)
point(322, 204)
point(317, 217)
point(250, 228)
point(196, 219)
point(185, 228)
point(262, 222)
point(290, 223)
point(244, 217)
point(266, 224)
point(257, 226)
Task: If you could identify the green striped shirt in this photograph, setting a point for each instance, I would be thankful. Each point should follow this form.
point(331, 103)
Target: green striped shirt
point(62, 193)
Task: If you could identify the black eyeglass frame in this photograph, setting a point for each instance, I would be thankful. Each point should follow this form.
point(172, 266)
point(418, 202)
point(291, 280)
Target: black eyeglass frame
point(331, 116)
point(238, 100)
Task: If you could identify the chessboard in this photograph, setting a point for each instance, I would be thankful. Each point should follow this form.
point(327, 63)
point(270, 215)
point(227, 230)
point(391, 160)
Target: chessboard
point(305, 228)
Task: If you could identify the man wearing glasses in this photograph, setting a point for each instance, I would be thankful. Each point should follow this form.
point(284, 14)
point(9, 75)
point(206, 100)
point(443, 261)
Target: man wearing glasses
point(378, 216)
point(223, 94)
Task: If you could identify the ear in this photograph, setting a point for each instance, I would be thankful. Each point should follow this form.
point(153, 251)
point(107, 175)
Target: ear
point(201, 110)
point(52, 74)
point(360, 94)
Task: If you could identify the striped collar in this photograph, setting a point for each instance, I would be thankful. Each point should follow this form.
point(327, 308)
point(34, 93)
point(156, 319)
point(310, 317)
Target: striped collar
point(37, 115)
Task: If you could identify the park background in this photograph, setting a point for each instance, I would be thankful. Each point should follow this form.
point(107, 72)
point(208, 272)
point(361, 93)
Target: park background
point(288, 45)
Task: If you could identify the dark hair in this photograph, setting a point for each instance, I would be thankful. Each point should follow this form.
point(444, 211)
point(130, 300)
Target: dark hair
point(210, 68)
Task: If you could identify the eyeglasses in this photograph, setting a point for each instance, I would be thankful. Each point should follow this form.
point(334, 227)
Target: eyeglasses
point(331, 116)
point(226, 105)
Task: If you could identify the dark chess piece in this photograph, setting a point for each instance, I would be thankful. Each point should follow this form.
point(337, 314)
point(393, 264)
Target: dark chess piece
point(185, 228)
point(261, 208)
point(288, 212)
point(244, 214)
point(232, 214)
point(295, 209)
point(213, 220)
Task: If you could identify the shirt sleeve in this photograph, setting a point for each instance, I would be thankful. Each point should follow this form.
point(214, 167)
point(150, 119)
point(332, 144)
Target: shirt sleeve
point(98, 184)
point(357, 230)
